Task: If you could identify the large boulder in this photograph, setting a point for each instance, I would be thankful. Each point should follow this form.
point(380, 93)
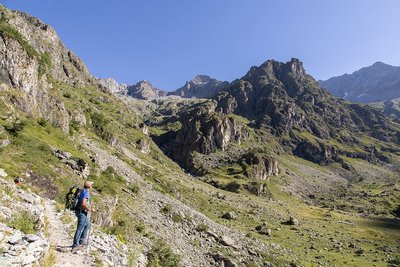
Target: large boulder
point(262, 167)
point(317, 152)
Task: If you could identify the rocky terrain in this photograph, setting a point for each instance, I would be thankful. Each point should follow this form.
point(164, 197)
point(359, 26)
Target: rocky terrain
point(390, 108)
point(370, 84)
point(144, 90)
point(39, 234)
point(201, 86)
point(272, 170)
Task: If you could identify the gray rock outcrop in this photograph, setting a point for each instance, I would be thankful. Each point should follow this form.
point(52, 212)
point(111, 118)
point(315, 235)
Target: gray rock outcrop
point(111, 86)
point(144, 90)
point(204, 131)
point(79, 166)
point(19, 248)
point(29, 57)
point(201, 86)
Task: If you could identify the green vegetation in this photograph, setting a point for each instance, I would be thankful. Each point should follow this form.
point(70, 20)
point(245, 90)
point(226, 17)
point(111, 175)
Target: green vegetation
point(7, 31)
point(15, 126)
point(73, 127)
point(108, 182)
point(120, 230)
point(49, 259)
point(177, 218)
point(44, 63)
point(202, 227)
point(135, 189)
point(167, 209)
point(162, 255)
point(25, 222)
point(101, 125)
point(140, 227)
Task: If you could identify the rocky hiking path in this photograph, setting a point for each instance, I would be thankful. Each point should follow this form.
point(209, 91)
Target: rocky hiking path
point(61, 241)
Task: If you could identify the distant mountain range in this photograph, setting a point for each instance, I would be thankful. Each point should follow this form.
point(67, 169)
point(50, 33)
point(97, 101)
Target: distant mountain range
point(379, 82)
point(370, 84)
point(201, 86)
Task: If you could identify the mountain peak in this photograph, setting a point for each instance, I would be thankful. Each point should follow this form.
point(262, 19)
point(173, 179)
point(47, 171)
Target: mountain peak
point(144, 84)
point(201, 86)
point(275, 70)
point(144, 90)
point(379, 66)
point(374, 83)
point(380, 63)
point(201, 79)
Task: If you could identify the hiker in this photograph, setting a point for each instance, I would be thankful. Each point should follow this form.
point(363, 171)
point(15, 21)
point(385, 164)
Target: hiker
point(82, 212)
point(18, 181)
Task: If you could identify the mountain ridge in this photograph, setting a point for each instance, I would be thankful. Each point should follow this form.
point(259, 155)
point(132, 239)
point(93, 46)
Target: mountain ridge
point(374, 83)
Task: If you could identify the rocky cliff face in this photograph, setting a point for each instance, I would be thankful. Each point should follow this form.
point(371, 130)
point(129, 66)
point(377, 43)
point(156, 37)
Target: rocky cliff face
point(284, 98)
point(201, 86)
point(111, 86)
point(391, 108)
point(22, 42)
point(203, 131)
point(144, 90)
point(31, 53)
point(370, 84)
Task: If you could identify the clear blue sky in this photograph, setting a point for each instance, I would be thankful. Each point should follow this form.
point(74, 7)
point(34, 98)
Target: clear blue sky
point(169, 42)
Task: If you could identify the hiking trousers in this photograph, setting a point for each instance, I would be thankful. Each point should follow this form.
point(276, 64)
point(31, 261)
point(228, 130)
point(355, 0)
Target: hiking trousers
point(82, 228)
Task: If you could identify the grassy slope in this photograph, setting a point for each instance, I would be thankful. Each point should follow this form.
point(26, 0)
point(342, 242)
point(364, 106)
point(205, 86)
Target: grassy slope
point(30, 150)
point(330, 231)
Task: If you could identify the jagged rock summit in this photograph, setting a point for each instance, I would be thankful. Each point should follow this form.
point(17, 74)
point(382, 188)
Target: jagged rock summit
point(201, 86)
point(110, 85)
point(144, 90)
point(370, 84)
point(282, 96)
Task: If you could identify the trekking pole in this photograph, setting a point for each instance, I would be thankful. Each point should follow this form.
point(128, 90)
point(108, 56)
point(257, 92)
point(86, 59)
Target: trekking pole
point(89, 233)
point(88, 237)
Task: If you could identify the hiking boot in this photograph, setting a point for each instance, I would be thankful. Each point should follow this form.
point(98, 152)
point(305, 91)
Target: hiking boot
point(75, 250)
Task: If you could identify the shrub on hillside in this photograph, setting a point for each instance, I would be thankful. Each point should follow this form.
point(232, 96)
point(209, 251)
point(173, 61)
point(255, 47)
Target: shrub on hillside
point(73, 127)
point(162, 255)
point(44, 63)
point(16, 126)
point(25, 222)
point(100, 125)
point(42, 122)
point(202, 227)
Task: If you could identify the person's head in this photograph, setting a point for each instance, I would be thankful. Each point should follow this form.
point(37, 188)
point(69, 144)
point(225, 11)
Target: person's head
point(18, 181)
point(87, 184)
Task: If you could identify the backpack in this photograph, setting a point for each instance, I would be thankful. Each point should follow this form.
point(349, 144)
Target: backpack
point(72, 198)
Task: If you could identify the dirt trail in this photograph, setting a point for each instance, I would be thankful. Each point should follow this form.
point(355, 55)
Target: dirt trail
point(61, 241)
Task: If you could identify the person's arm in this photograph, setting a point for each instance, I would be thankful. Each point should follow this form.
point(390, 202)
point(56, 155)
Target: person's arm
point(85, 206)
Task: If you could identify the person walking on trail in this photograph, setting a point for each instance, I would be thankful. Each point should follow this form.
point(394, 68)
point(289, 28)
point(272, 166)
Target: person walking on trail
point(82, 212)
point(18, 181)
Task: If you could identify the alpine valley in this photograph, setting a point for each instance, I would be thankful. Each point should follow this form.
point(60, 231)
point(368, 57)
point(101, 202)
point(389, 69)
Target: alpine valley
point(267, 170)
